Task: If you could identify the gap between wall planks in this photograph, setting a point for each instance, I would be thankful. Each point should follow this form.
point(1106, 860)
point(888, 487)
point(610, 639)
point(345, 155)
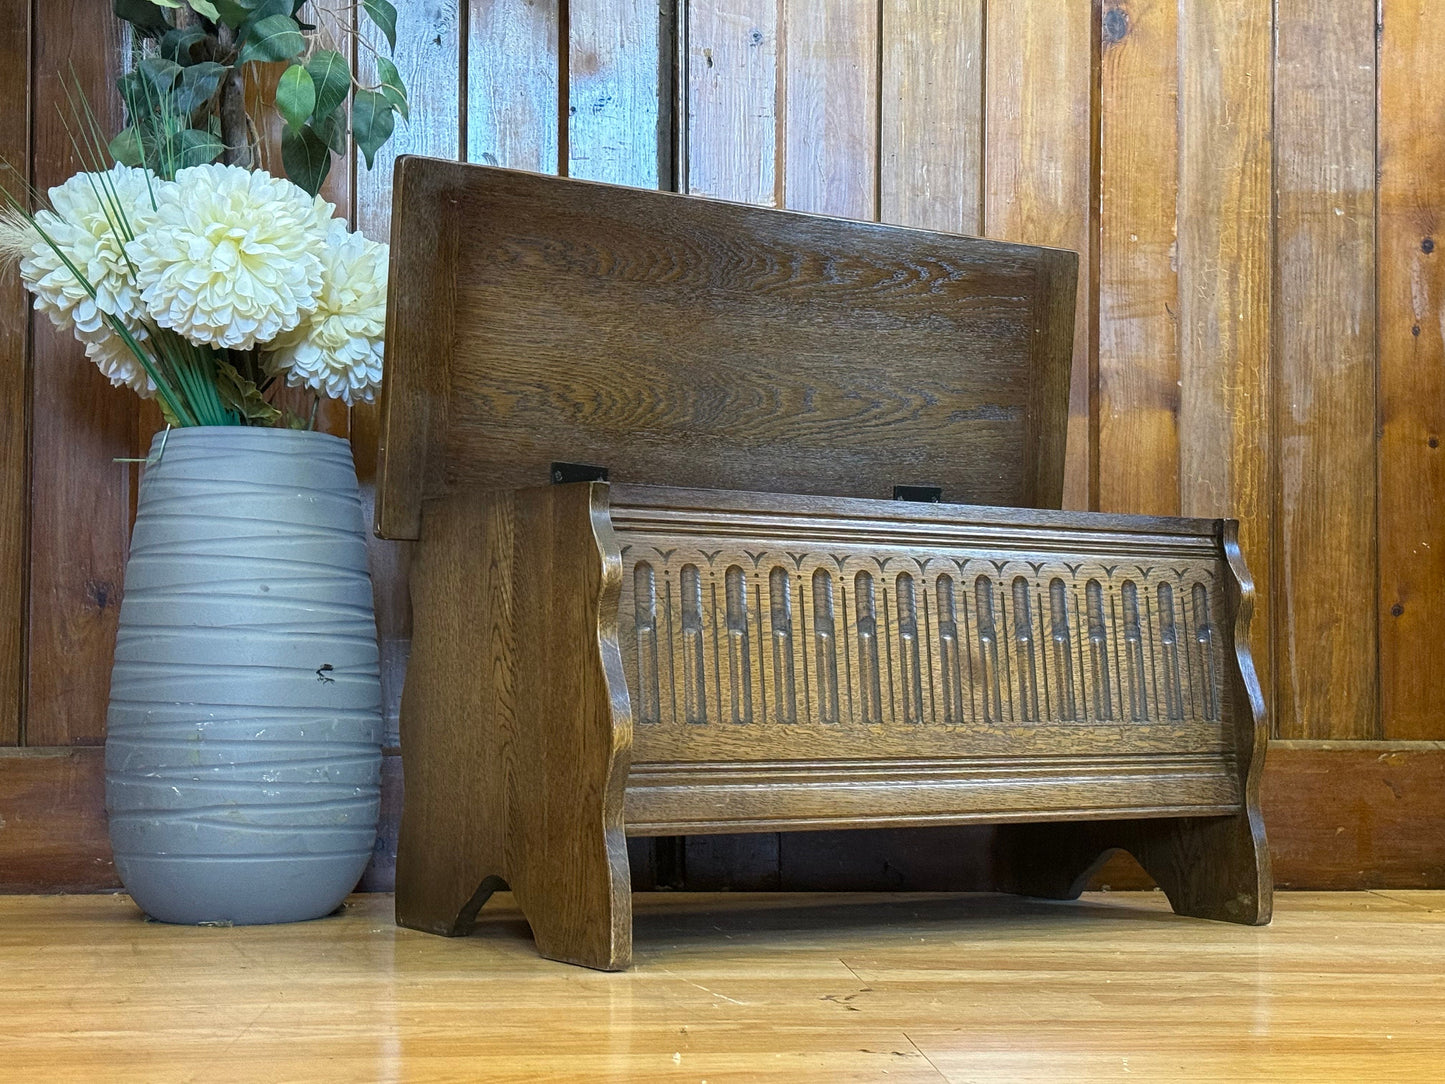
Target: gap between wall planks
point(1410, 265)
point(14, 383)
point(1324, 351)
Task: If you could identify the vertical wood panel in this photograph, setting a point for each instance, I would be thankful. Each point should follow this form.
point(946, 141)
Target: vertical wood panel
point(1225, 259)
point(1138, 287)
point(428, 55)
point(615, 93)
point(931, 143)
point(80, 497)
point(1412, 369)
point(733, 126)
point(831, 110)
point(1324, 416)
point(1039, 169)
point(512, 83)
point(14, 381)
point(732, 100)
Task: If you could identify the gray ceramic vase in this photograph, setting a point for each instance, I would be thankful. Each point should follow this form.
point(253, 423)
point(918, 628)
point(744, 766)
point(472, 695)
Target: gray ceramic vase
point(243, 742)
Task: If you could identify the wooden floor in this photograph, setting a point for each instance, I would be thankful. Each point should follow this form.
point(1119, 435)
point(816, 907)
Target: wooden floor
point(1343, 987)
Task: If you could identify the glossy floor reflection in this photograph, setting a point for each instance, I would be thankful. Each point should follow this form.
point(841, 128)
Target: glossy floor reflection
point(1343, 986)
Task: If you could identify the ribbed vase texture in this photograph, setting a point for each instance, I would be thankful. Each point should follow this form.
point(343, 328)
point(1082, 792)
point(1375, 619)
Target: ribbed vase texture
point(243, 743)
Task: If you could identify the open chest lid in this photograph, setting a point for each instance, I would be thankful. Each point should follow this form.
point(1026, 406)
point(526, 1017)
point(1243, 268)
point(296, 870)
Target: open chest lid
point(683, 341)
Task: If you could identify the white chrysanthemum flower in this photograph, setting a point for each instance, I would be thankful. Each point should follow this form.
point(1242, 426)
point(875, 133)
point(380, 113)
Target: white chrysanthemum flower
point(337, 350)
point(117, 361)
point(232, 258)
point(88, 221)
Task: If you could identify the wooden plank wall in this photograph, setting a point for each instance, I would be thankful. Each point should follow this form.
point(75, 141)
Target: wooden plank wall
point(1256, 188)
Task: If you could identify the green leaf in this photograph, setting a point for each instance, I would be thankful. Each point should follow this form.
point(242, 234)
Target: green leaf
point(233, 12)
point(371, 122)
point(148, 19)
point(177, 44)
point(161, 73)
point(295, 95)
point(332, 78)
point(276, 37)
point(332, 129)
point(198, 86)
point(306, 157)
point(126, 149)
point(242, 396)
point(132, 93)
point(391, 86)
point(196, 148)
point(384, 16)
point(206, 9)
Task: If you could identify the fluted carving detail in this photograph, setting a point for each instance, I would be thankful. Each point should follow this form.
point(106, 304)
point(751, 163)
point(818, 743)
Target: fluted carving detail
point(765, 637)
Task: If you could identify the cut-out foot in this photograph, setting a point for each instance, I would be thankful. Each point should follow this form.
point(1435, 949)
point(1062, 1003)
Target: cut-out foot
point(1208, 867)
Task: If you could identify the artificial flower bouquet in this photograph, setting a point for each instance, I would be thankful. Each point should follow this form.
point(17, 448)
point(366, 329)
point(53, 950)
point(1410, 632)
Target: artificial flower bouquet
point(209, 291)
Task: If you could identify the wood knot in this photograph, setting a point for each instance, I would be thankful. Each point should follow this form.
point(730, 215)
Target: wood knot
point(1396, 610)
point(1116, 25)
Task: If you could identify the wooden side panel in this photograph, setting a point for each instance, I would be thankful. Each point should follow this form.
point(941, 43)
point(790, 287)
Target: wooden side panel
point(1039, 90)
point(931, 130)
point(732, 122)
point(14, 388)
point(428, 50)
point(617, 130)
point(1138, 383)
point(831, 141)
point(1352, 815)
point(80, 496)
point(52, 822)
point(512, 62)
point(1225, 255)
point(1324, 319)
point(1412, 370)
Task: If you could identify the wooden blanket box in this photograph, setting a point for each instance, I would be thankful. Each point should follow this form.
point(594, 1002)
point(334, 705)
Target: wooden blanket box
point(647, 445)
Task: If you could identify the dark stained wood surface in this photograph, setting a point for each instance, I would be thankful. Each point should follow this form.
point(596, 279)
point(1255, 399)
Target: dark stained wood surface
point(689, 342)
point(14, 387)
point(516, 723)
point(1411, 410)
point(568, 677)
point(52, 822)
point(80, 497)
point(1324, 522)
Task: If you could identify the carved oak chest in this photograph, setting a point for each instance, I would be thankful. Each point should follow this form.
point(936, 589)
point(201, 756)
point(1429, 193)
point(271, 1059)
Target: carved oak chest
point(739, 631)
